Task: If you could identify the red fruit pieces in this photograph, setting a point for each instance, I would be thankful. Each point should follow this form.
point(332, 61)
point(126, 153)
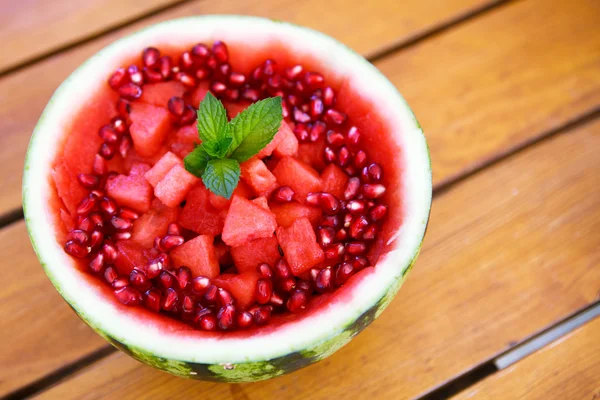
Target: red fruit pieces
point(198, 255)
point(299, 176)
point(199, 215)
point(234, 109)
point(161, 168)
point(334, 180)
point(262, 201)
point(129, 256)
point(242, 287)
point(149, 127)
point(131, 191)
point(287, 213)
point(158, 94)
point(300, 247)
point(247, 221)
point(153, 223)
point(188, 134)
point(256, 174)
point(247, 257)
point(287, 143)
point(218, 202)
point(199, 94)
point(173, 188)
point(138, 169)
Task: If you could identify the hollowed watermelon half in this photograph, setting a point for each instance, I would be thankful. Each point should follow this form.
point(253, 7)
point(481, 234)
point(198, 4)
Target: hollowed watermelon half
point(390, 134)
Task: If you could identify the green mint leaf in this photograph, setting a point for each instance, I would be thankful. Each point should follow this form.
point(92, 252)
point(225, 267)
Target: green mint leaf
point(212, 120)
point(195, 162)
point(218, 149)
point(222, 176)
point(254, 128)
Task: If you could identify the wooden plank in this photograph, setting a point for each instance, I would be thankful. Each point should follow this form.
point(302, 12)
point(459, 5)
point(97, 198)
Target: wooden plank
point(36, 27)
point(38, 331)
point(566, 369)
point(523, 257)
point(25, 94)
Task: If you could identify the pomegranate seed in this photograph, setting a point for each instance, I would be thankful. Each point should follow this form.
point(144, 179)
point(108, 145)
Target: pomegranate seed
point(304, 285)
point(335, 139)
point(224, 70)
point(176, 106)
point(282, 269)
point(97, 263)
point(200, 50)
point(313, 79)
point(323, 283)
point(123, 107)
point(244, 320)
point(356, 206)
point(274, 82)
point(120, 224)
point(130, 91)
point(328, 97)
point(372, 173)
point(169, 242)
point(300, 116)
point(360, 262)
point(330, 155)
point(343, 156)
point(347, 220)
point(208, 322)
point(118, 78)
point(313, 198)
point(157, 243)
point(294, 100)
point(220, 51)
point(301, 132)
point(370, 232)
point(100, 167)
point(187, 304)
point(262, 315)
point(170, 300)
point(237, 79)
point(200, 284)
point(186, 79)
point(343, 272)
point(110, 274)
point(173, 229)
point(80, 236)
point(341, 235)
point(96, 239)
point(287, 284)
point(211, 62)
point(358, 226)
point(138, 279)
point(335, 117)
point(88, 204)
point(108, 207)
point(264, 290)
point(317, 131)
point(119, 125)
point(225, 298)
point(232, 95)
point(202, 73)
point(211, 294)
point(335, 251)
point(283, 194)
point(373, 191)
point(152, 299)
point(122, 235)
point(186, 62)
point(377, 212)
point(314, 272)
point(269, 68)
point(107, 151)
point(297, 301)
point(218, 88)
point(353, 136)
point(265, 271)
point(329, 203)
point(108, 134)
point(151, 75)
point(150, 56)
point(135, 75)
point(276, 300)
point(331, 220)
point(120, 282)
point(256, 74)
point(184, 277)
point(352, 188)
point(189, 116)
point(325, 235)
point(166, 279)
point(165, 65)
point(300, 87)
point(250, 94)
point(356, 248)
point(226, 317)
point(293, 72)
point(110, 252)
point(156, 266)
point(128, 213)
point(128, 296)
point(360, 159)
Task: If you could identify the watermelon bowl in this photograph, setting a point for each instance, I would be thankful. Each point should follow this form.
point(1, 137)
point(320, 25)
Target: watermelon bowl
point(318, 237)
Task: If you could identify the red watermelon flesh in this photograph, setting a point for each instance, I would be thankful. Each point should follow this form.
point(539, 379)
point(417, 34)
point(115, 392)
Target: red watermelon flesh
point(299, 176)
point(161, 168)
point(199, 215)
point(198, 255)
point(242, 287)
point(300, 247)
point(223, 254)
point(199, 94)
point(287, 143)
point(233, 109)
point(133, 158)
point(130, 256)
point(287, 213)
point(256, 174)
point(150, 125)
point(153, 223)
point(131, 191)
point(247, 221)
point(139, 169)
point(158, 94)
point(69, 191)
point(188, 134)
point(175, 185)
point(312, 154)
point(262, 201)
point(334, 180)
point(264, 250)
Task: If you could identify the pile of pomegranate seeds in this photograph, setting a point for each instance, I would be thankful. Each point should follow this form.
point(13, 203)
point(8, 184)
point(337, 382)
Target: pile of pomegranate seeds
point(346, 229)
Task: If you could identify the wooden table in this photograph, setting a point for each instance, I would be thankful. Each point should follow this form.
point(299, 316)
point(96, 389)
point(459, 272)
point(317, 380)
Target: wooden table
point(508, 93)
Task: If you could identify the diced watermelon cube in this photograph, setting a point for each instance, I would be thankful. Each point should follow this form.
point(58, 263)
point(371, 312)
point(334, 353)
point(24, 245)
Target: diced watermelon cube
point(68, 189)
point(139, 169)
point(218, 202)
point(334, 180)
point(247, 221)
point(173, 188)
point(132, 191)
point(247, 257)
point(312, 153)
point(300, 247)
point(130, 255)
point(158, 94)
point(223, 254)
point(182, 149)
point(287, 213)
point(242, 287)
point(299, 176)
point(262, 201)
point(198, 255)
point(199, 93)
point(161, 168)
point(133, 158)
point(149, 127)
point(234, 109)
point(188, 134)
point(256, 174)
point(153, 223)
point(199, 215)
point(287, 144)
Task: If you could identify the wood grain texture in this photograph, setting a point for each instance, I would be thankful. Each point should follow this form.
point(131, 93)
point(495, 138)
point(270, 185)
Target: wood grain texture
point(501, 80)
point(23, 95)
point(38, 27)
point(509, 252)
point(566, 369)
point(38, 331)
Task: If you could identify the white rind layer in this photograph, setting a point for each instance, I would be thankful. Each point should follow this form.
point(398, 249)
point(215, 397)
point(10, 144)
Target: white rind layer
point(295, 336)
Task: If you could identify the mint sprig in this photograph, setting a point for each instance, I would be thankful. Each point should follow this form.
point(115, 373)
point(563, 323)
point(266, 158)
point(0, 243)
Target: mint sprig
point(226, 144)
